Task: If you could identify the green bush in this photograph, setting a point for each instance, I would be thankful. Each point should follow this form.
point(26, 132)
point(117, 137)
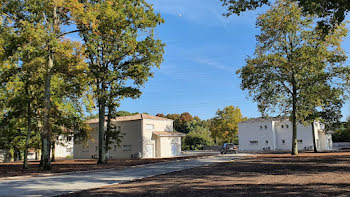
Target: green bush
point(197, 138)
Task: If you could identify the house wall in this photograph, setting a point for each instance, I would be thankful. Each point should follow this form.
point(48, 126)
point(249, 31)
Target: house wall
point(149, 140)
point(130, 146)
point(251, 131)
point(4, 156)
point(64, 147)
point(304, 133)
point(280, 138)
point(167, 144)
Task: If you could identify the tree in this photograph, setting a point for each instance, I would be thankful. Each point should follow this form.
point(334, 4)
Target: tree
point(197, 138)
point(332, 12)
point(121, 51)
point(41, 22)
point(160, 115)
point(292, 65)
point(224, 126)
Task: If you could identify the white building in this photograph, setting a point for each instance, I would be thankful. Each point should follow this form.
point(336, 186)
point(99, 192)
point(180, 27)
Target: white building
point(64, 147)
point(145, 136)
point(260, 134)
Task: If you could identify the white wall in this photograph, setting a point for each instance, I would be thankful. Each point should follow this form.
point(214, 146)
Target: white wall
point(64, 147)
point(130, 146)
point(149, 140)
point(251, 131)
point(278, 137)
point(166, 146)
point(138, 135)
point(304, 133)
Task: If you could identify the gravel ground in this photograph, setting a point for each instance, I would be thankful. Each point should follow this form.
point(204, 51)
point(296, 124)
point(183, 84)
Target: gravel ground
point(309, 174)
point(14, 169)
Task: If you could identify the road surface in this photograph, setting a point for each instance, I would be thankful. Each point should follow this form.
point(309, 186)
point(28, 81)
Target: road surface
point(61, 184)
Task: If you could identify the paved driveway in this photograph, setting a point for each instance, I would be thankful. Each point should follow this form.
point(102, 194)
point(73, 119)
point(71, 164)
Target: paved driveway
point(61, 184)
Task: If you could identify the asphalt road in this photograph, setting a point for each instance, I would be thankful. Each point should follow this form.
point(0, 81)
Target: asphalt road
point(61, 184)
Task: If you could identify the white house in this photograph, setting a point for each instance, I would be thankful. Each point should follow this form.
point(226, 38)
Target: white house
point(64, 147)
point(260, 134)
point(145, 136)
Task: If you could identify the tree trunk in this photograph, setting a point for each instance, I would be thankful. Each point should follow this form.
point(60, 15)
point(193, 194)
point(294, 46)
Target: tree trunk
point(313, 137)
point(15, 154)
point(53, 150)
point(41, 153)
point(29, 121)
point(46, 118)
point(101, 126)
point(19, 155)
point(108, 131)
point(294, 121)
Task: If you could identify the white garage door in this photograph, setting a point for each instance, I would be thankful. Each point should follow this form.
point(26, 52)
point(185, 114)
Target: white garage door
point(149, 153)
point(174, 149)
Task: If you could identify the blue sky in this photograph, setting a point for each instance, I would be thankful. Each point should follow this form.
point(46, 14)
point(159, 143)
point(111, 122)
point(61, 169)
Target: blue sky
point(204, 50)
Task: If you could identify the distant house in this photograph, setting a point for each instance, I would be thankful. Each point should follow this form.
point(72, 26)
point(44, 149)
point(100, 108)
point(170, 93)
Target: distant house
point(63, 148)
point(260, 134)
point(4, 155)
point(145, 136)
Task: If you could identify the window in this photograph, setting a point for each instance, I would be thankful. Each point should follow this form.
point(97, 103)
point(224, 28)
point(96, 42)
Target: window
point(282, 126)
point(126, 147)
point(265, 127)
point(300, 141)
point(287, 126)
point(254, 142)
point(115, 148)
point(149, 126)
point(283, 141)
point(69, 138)
point(266, 141)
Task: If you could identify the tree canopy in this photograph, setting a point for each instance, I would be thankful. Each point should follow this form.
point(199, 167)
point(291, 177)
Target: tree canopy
point(224, 126)
point(293, 70)
point(332, 12)
point(121, 50)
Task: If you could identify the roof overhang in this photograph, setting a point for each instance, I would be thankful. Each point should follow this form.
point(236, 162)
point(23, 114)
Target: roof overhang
point(168, 134)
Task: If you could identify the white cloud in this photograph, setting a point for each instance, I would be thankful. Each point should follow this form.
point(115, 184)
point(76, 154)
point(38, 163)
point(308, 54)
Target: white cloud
point(213, 63)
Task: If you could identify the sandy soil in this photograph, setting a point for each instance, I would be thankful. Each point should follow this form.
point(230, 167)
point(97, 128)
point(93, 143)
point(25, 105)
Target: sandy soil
point(309, 174)
point(73, 165)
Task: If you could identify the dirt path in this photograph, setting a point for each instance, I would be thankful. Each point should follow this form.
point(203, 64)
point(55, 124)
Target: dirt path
point(62, 184)
point(14, 169)
point(324, 174)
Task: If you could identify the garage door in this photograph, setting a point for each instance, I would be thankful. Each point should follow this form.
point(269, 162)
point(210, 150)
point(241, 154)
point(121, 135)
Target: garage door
point(174, 149)
point(149, 153)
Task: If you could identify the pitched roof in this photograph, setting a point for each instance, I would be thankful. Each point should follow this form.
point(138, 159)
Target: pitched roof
point(168, 133)
point(129, 118)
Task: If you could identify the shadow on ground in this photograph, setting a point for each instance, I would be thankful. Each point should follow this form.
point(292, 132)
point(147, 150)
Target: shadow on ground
point(276, 176)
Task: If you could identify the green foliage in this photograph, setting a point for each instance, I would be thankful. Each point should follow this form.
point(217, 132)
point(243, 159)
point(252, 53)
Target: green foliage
point(125, 113)
point(292, 65)
point(197, 138)
point(43, 73)
point(183, 122)
point(332, 12)
point(224, 126)
point(342, 133)
point(121, 51)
